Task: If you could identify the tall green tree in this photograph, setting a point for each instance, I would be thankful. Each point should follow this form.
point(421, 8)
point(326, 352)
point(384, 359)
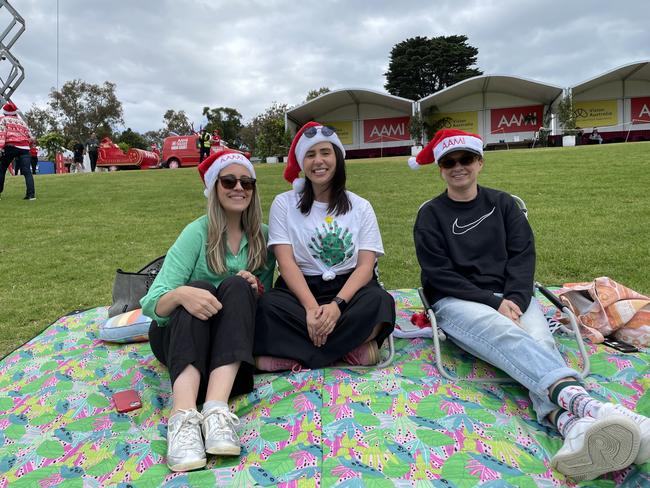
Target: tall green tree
point(155, 137)
point(421, 66)
point(83, 108)
point(133, 139)
point(227, 120)
point(40, 121)
point(565, 113)
point(265, 135)
point(316, 93)
point(177, 122)
point(52, 142)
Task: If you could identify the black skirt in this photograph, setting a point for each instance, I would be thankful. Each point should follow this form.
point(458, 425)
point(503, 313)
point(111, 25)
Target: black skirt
point(281, 325)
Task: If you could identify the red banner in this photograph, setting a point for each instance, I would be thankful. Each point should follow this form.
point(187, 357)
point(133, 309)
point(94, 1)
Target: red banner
point(516, 119)
point(386, 130)
point(641, 110)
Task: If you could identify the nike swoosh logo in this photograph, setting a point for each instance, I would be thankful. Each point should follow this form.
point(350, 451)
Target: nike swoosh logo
point(458, 229)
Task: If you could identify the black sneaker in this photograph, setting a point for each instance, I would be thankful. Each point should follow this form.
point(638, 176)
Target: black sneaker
point(29, 198)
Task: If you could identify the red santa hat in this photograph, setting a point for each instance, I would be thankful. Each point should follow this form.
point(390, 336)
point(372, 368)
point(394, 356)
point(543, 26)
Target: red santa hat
point(309, 134)
point(10, 108)
point(211, 166)
point(444, 142)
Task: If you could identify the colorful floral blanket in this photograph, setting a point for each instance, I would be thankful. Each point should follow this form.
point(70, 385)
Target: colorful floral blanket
point(400, 426)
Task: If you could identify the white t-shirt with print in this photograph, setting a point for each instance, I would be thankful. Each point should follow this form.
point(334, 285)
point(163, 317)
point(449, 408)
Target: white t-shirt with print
point(322, 242)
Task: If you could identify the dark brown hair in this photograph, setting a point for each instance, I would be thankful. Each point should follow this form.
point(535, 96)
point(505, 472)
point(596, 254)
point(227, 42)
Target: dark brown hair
point(339, 203)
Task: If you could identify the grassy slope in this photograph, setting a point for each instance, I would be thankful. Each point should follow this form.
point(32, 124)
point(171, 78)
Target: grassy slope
point(590, 209)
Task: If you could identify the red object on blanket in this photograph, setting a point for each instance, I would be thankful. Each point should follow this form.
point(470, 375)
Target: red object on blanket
point(420, 319)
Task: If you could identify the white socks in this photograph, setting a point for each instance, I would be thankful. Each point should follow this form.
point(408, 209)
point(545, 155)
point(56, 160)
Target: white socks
point(564, 422)
point(572, 397)
point(209, 405)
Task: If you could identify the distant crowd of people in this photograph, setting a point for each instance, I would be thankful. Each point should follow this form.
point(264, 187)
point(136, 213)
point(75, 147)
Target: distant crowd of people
point(19, 151)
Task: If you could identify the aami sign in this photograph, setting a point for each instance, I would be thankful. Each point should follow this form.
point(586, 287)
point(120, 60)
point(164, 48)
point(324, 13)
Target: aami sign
point(641, 110)
point(516, 119)
point(386, 130)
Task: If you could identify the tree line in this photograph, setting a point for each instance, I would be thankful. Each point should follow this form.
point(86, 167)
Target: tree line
point(80, 109)
point(418, 67)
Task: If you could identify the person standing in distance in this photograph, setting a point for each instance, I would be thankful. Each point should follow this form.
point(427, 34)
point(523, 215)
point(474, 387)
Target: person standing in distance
point(92, 146)
point(15, 139)
point(78, 161)
point(204, 144)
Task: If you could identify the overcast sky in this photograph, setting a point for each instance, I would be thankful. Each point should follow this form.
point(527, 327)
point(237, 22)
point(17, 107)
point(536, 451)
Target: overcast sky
point(188, 54)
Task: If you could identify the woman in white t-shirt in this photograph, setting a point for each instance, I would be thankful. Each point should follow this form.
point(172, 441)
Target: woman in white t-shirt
point(327, 304)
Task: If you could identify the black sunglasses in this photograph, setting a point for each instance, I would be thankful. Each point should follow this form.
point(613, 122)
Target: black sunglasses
point(312, 131)
point(230, 181)
point(464, 160)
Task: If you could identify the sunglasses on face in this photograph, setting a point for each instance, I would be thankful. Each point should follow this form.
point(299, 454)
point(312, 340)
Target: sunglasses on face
point(230, 181)
point(464, 160)
point(312, 131)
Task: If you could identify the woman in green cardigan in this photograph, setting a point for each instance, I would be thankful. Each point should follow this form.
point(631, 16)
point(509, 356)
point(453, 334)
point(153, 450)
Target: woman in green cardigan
point(203, 304)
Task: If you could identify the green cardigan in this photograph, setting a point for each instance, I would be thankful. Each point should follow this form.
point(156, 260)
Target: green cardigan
point(186, 262)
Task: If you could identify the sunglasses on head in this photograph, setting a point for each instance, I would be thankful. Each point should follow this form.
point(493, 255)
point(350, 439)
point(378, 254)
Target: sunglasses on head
point(312, 131)
point(230, 181)
point(464, 160)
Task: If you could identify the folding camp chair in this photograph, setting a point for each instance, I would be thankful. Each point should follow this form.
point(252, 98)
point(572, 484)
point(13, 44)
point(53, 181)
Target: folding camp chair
point(439, 335)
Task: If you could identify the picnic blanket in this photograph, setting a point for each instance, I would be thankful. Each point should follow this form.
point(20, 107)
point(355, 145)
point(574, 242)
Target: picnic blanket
point(402, 426)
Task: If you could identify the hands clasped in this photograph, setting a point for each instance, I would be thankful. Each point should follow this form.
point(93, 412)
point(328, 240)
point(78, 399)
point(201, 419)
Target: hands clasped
point(321, 321)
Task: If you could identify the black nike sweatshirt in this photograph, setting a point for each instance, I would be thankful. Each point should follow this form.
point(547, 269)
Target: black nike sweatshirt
point(470, 250)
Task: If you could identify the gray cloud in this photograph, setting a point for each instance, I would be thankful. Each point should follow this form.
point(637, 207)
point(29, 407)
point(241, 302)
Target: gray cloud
point(246, 54)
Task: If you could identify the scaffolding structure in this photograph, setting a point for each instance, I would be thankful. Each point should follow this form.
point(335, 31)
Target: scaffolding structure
point(12, 73)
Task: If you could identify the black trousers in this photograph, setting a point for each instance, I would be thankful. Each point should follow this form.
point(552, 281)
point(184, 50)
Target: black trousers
point(281, 325)
point(204, 153)
point(93, 160)
point(225, 338)
point(24, 159)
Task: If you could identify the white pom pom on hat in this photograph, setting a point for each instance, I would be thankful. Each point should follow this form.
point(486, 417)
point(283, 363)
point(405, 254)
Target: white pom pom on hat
point(298, 185)
point(413, 164)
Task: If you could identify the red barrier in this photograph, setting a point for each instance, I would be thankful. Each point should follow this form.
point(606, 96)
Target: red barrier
point(59, 164)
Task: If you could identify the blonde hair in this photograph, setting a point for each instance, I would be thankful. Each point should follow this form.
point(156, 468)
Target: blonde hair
point(251, 225)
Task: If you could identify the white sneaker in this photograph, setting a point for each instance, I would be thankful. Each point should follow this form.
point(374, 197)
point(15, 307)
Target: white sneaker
point(643, 423)
point(597, 446)
point(185, 449)
point(219, 432)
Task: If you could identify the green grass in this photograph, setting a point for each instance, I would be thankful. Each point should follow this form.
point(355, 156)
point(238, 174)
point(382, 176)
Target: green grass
point(590, 209)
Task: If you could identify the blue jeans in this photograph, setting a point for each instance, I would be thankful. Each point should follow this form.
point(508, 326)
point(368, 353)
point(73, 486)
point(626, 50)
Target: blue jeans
point(528, 356)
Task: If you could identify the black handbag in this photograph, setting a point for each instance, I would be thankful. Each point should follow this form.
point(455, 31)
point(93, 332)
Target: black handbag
point(129, 288)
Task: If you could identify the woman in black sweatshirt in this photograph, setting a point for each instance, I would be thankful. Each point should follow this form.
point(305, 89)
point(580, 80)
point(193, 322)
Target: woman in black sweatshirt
point(477, 255)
